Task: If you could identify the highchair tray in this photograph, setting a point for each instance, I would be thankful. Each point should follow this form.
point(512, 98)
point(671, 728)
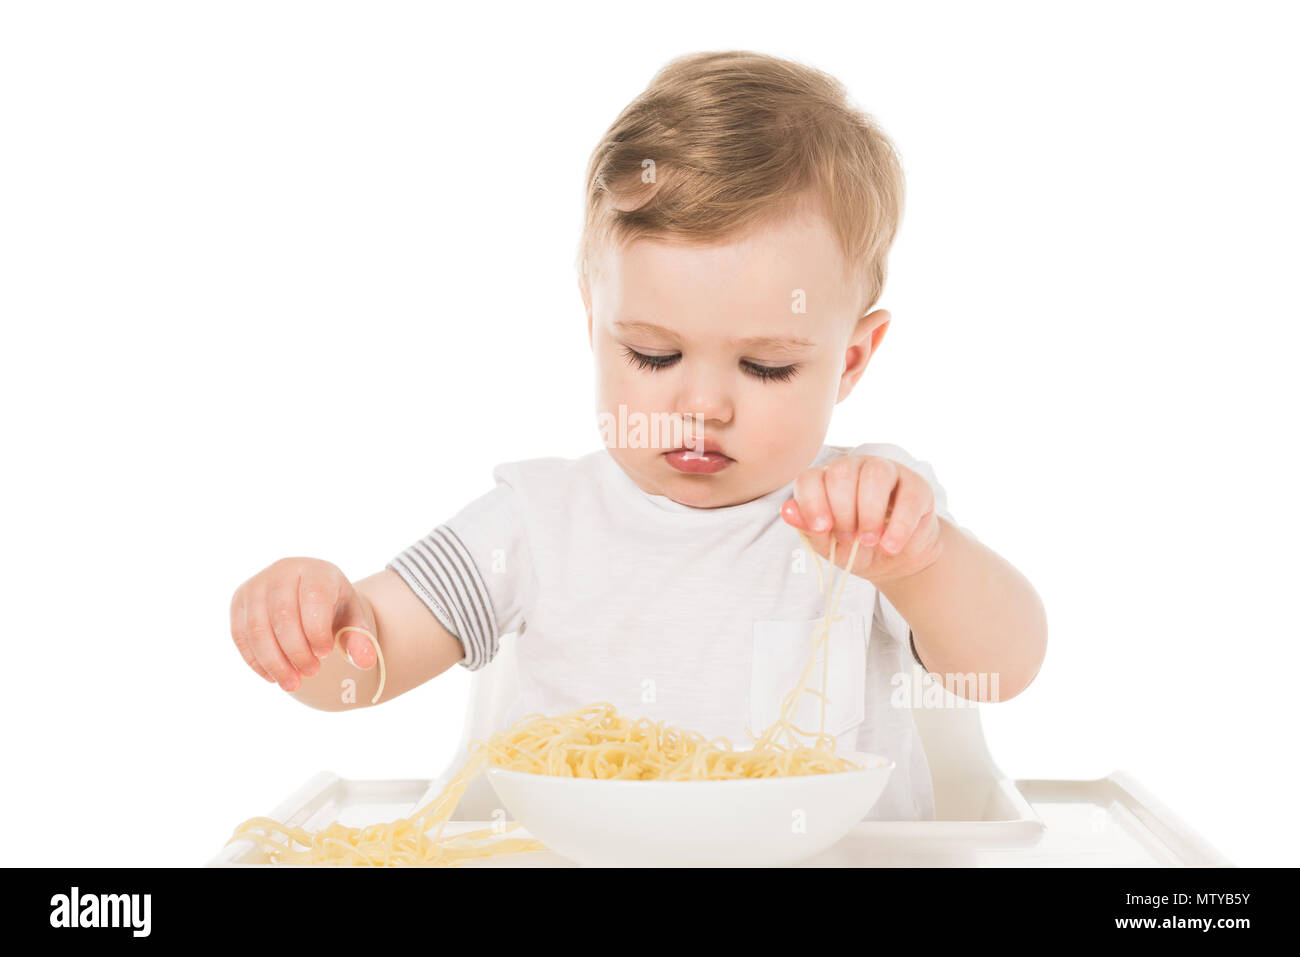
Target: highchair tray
point(1109, 822)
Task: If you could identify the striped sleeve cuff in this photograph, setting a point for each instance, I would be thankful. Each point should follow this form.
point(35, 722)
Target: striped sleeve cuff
point(441, 571)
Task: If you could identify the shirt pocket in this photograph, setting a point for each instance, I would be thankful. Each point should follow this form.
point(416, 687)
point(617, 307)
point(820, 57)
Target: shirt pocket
point(781, 650)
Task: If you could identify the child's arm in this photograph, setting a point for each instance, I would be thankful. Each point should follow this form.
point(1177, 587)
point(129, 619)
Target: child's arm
point(285, 617)
point(972, 612)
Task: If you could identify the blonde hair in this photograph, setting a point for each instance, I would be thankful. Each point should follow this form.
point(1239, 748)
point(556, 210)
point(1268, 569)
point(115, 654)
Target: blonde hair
point(721, 143)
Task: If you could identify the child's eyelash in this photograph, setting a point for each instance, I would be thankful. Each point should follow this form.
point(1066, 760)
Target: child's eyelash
point(766, 373)
point(650, 362)
point(772, 373)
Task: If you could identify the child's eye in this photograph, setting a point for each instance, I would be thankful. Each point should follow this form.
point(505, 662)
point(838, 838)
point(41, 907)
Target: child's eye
point(771, 373)
point(651, 362)
point(765, 373)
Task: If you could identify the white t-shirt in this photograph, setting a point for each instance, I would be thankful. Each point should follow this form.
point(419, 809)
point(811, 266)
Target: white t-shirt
point(702, 618)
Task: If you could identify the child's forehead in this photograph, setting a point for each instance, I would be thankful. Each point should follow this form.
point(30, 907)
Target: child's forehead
point(780, 263)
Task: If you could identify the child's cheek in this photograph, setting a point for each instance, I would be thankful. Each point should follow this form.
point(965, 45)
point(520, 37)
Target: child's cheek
point(785, 432)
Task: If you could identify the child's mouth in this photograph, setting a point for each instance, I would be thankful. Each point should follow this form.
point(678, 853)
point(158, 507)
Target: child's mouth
point(697, 463)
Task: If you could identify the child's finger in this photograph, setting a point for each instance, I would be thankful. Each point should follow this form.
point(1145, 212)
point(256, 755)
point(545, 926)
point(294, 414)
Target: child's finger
point(239, 632)
point(810, 493)
point(355, 629)
point(263, 642)
point(283, 610)
point(318, 595)
point(841, 482)
point(911, 501)
point(875, 486)
point(791, 513)
point(358, 648)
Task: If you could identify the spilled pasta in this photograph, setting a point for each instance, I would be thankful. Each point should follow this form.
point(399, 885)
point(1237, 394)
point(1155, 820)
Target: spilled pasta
point(594, 741)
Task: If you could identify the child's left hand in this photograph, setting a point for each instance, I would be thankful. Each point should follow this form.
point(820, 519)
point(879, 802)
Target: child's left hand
point(887, 505)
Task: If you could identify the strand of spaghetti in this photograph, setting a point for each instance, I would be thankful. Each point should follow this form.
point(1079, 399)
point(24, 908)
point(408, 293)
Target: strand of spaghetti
point(831, 616)
point(821, 588)
point(379, 655)
point(826, 655)
point(792, 699)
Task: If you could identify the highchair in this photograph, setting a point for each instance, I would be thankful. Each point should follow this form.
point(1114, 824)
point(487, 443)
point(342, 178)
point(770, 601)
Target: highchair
point(975, 802)
point(982, 817)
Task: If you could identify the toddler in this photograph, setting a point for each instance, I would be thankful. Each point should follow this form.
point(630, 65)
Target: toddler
point(739, 214)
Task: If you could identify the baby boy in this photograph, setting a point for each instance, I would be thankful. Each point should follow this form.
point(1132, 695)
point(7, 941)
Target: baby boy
point(739, 215)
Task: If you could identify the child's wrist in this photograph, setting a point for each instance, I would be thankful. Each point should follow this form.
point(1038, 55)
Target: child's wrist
point(914, 572)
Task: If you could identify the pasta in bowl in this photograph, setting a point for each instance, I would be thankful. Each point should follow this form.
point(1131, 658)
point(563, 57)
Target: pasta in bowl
point(741, 821)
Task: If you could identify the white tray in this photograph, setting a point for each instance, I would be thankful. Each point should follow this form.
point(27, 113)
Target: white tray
point(1109, 822)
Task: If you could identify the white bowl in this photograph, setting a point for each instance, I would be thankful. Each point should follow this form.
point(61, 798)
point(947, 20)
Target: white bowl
point(755, 822)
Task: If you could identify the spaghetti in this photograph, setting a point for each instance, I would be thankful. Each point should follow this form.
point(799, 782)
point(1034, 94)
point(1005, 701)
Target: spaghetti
point(594, 741)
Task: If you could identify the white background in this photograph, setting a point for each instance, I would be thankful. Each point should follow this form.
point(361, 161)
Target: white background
point(289, 279)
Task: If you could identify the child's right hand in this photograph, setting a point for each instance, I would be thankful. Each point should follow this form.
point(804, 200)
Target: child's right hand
point(285, 617)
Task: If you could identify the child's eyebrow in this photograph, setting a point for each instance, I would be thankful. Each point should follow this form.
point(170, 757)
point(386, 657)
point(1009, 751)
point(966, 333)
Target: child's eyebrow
point(788, 342)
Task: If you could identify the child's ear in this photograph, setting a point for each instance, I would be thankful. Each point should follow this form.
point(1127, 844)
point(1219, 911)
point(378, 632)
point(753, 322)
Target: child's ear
point(870, 330)
point(863, 343)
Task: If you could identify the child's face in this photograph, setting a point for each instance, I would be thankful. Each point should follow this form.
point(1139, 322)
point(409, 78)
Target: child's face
point(692, 308)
